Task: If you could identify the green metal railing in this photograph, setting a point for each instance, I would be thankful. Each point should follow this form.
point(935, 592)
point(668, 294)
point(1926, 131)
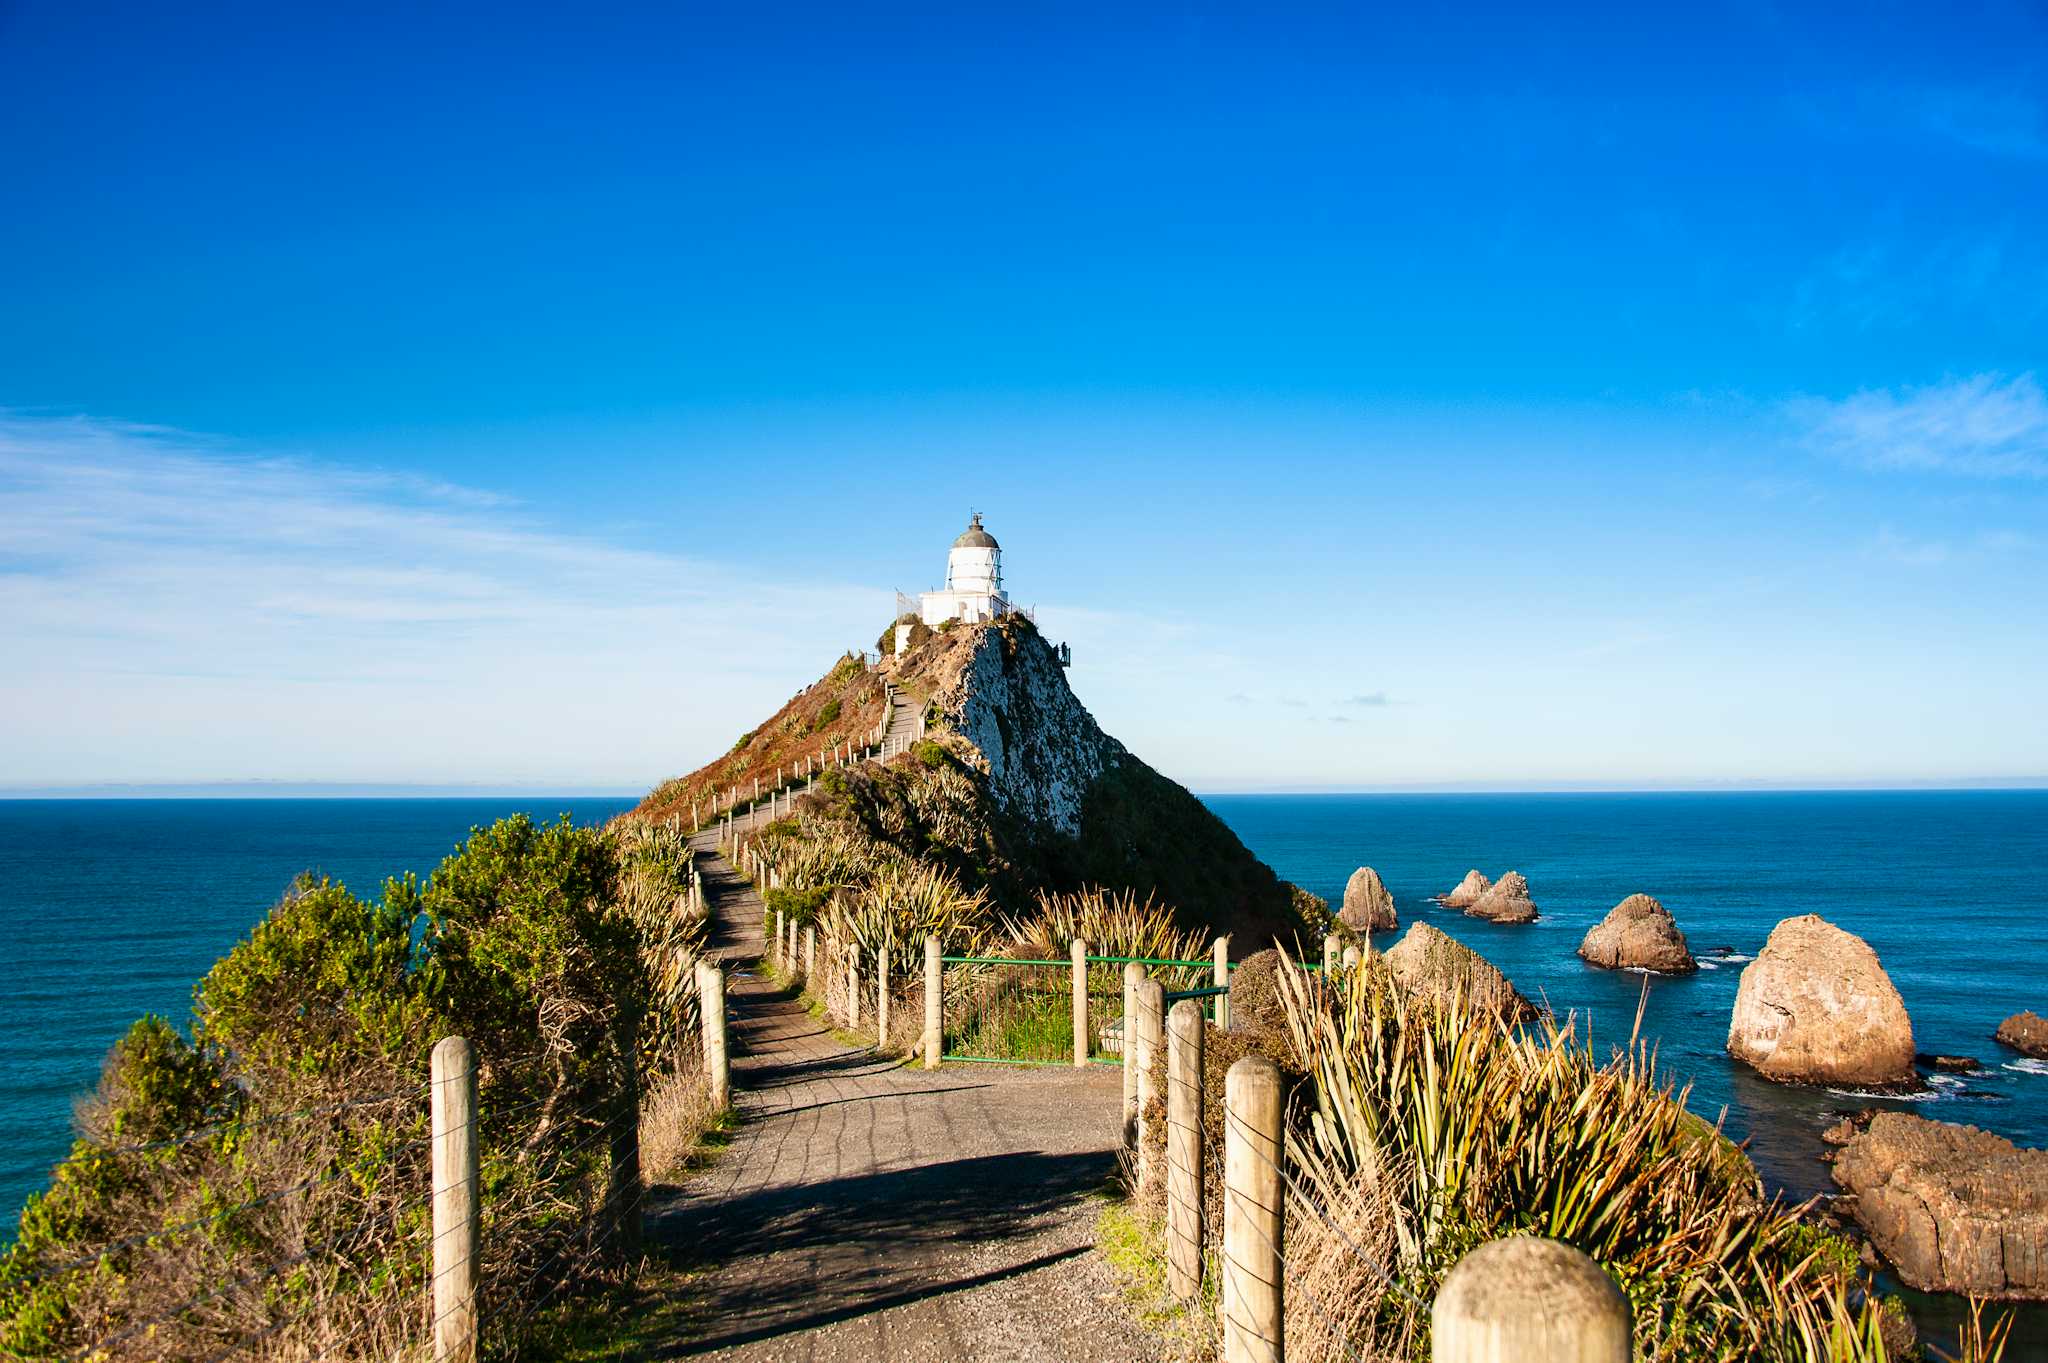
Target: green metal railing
point(1020, 1011)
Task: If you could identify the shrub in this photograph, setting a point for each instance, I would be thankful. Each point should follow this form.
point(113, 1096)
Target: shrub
point(740, 744)
point(800, 905)
point(1420, 1132)
point(930, 754)
point(274, 1165)
point(828, 715)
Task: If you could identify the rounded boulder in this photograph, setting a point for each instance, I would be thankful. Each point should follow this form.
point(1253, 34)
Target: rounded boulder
point(1638, 933)
point(1815, 1007)
point(1368, 903)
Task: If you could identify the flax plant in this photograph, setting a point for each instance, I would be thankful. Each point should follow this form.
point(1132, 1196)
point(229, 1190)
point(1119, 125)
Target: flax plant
point(1421, 1131)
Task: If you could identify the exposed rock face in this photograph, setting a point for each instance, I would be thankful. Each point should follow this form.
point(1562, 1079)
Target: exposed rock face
point(1506, 901)
point(2026, 1033)
point(1428, 963)
point(1467, 894)
point(1368, 903)
point(1084, 809)
point(1815, 1007)
point(1953, 1208)
point(1638, 932)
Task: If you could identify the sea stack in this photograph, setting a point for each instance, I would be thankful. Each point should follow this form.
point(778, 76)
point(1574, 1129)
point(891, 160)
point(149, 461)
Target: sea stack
point(1506, 901)
point(1434, 966)
point(1368, 903)
point(2026, 1033)
point(1638, 933)
point(1467, 894)
point(1954, 1209)
point(1815, 1007)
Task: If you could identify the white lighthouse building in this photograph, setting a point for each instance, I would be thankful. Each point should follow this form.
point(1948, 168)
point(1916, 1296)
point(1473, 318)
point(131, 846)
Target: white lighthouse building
point(974, 581)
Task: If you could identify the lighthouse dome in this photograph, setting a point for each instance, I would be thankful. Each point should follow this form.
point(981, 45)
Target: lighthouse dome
point(976, 537)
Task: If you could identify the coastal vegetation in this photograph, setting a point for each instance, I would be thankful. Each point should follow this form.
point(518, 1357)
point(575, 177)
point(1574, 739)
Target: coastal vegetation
point(260, 1180)
point(1419, 1127)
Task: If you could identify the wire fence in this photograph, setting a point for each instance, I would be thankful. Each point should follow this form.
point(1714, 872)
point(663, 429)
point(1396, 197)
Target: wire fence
point(308, 1234)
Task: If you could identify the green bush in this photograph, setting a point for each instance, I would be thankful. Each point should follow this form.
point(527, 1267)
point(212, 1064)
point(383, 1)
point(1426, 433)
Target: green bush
point(933, 755)
point(828, 715)
point(197, 1164)
point(801, 905)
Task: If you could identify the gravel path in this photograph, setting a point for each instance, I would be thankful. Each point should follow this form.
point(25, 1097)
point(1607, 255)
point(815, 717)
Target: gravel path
point(870, 1210)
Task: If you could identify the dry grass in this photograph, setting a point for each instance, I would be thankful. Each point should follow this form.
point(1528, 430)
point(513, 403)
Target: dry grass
point(676, 1115)
point(793, 733)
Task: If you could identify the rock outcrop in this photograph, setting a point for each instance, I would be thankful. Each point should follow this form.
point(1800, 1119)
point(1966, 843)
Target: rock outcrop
point(1638, 932)
point(1954, 1209)
point(1368, 903)
point(1429, 964)
point(1815, 1007)
point(1467, 894)
point(1076, 806)
point(1505, 901)
point(2026, 1033)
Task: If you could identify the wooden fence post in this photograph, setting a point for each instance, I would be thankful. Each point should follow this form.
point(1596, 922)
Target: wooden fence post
point(1529, 1300)
point(882, 995)
point(711, 1011)
point(1134, 975)
point(1351, 958)
point(1151, 1010)
point(1329, 954)
point(853, 992)
point(458, 1217)
point(1250, 1302)
point(1184, 1151)
point(1221, 952)
point(775, 923)
point(624, 1196)
point(810, 954)
point(1079, 951)
point(934, 1003)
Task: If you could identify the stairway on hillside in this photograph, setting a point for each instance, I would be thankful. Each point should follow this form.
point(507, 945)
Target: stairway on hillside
point(906, 725)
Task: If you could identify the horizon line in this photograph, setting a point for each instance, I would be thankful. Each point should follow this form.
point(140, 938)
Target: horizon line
point(428, 790)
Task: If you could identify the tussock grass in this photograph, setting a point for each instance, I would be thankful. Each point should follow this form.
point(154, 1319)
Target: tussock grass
point(1418, 1132)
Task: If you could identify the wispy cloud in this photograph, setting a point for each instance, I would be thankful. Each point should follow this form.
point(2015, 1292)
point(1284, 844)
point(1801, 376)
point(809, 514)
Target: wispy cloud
point(2008, 122)
point(1922, 552)
point(1986, 426)
point(176, 610)
point(1371, 700)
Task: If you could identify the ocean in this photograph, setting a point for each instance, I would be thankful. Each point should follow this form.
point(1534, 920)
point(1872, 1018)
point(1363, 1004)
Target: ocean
point(1944, 885)
point(110, 909)
point(114, 908)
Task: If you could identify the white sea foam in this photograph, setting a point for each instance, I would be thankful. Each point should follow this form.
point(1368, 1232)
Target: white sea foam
point(1921, 1096)
point(1733, 956)
point(2026, 1066)
point(1708, 965)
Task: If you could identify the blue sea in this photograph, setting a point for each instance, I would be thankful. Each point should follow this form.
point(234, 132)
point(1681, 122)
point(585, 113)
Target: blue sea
point(1945, 886)
point(110, 909)
point(114, 908)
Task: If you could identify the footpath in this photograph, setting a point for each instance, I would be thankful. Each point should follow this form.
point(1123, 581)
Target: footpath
point(868, 1209)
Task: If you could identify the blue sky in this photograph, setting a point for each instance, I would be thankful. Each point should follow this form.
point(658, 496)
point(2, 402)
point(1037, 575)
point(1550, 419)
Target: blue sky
point(1481, 399)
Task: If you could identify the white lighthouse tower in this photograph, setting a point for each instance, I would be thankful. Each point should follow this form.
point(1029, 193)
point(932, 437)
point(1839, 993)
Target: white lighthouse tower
point(974, 581)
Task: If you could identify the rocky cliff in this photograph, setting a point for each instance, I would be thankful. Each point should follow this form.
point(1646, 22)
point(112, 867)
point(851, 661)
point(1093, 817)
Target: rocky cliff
point(1016, 787)
point(1073, 806)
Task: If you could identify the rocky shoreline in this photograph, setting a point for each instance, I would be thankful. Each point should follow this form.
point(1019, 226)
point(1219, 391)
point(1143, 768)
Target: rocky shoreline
point(1950, 1208)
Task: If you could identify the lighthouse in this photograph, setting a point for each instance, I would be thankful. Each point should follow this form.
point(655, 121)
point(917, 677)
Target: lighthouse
point(974, 581)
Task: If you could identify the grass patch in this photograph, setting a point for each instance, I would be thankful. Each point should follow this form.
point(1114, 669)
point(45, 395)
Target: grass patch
point(641, 1315)
point(1135, 1249)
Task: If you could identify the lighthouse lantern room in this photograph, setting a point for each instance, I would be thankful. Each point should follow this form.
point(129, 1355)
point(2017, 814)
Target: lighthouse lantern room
point(974, 581)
